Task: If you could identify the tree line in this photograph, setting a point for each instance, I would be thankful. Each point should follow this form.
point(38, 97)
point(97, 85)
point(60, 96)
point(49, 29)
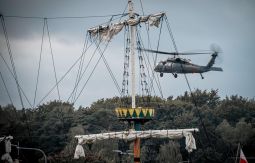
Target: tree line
point(223, 123)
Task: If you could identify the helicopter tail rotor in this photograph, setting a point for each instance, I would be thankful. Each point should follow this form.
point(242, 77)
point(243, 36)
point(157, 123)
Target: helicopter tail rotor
point(217, 52)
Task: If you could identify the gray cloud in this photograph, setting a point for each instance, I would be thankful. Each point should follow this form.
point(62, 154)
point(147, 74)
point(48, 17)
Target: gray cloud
point(195, 24)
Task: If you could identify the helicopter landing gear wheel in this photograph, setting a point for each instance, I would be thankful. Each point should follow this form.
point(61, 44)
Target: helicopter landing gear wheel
point(202, 76)
point(161, 74)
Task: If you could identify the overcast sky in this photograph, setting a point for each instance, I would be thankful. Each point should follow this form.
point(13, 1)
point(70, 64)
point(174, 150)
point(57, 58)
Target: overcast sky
point(196, 24)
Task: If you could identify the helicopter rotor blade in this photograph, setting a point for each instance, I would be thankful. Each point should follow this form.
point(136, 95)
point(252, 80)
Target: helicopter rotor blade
point(215, 48)
point(174, 53)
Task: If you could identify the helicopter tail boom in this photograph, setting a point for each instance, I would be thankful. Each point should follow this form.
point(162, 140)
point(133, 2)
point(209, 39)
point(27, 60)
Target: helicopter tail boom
point(216, 69)
point(212, 60)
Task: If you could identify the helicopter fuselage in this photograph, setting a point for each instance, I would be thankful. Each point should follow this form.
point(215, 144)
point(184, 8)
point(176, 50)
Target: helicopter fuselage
point(171, 67)
point(183, 66)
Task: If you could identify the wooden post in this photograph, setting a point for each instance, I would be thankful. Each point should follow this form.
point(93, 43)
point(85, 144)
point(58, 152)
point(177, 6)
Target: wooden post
point(137, 150)
point(137, 143)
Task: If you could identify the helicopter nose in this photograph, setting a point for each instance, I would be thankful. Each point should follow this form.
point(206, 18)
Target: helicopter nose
point(156, 68)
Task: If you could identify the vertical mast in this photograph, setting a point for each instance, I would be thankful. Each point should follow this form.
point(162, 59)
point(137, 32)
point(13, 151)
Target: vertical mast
point(132, 47)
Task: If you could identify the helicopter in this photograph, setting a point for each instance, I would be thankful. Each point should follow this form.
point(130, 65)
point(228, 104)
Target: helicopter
point(177, 65)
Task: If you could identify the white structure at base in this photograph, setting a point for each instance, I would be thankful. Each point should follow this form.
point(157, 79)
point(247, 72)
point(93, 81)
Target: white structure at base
point(132, 135)
point(7, 157)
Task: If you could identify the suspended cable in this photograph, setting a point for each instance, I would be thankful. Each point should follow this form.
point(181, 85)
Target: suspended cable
point(78, 76)
point(160, 31)
point(146, 64)
point(88, 79)
point(39, 64)
point(171, 33)
point(101, 55)
point(110, 71)
point(6, 88)
point(125, 79)
point(153, 73)
point(155, 59)
point(53, 63)
point(124, 90)
point(71, 67)
point(92, 69)
point(13, 68)
point(157, 78)
point(143, 76)
point(9, 69)
point(63, 17)
point(187, 81)
point(148, 67)
point(93, 54)
point(11, 58)
point(142, 6)
point(149, 47)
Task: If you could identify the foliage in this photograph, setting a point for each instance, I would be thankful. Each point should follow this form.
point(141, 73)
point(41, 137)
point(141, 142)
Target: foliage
point(170, 153)
point(222, 123)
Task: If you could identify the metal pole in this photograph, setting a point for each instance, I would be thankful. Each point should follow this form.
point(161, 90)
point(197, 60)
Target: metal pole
point(137, 141)
point(132, 49)
point(238, 149)
point(35, 149)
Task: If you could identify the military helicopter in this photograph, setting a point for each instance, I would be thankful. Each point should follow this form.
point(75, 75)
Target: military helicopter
point(177, 65)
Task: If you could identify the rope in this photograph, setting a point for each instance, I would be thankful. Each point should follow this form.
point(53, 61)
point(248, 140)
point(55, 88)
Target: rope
point(14, 70)
point(48, 93)
point(143, 76)
point(160, 31)
point(149, 44)
point(11, 58)
point(91, 71)
point(101, 56)
point(110, 71)
point(53, 63)
point(141, 6)
point(39, 65)
point(148, 67)
point(159, 85)
point(83, 71)
point(63, 17)
point(192, 95)
point(171, 34)
point(153, 75)
point(9, 69)
point(126, 62)
point(6, 88)
point(78, 77)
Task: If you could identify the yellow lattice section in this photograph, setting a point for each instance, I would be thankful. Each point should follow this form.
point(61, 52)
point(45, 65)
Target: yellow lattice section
point(140, 112)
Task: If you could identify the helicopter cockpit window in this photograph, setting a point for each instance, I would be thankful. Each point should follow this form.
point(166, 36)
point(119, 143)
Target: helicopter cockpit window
point(161, 63)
